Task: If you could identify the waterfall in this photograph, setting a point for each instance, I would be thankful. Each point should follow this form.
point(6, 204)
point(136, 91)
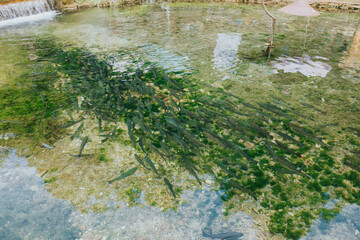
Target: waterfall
point(27, 8)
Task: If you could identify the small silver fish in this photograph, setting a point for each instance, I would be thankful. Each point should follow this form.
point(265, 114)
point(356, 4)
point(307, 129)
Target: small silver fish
point(47, 146)
point(124, 175)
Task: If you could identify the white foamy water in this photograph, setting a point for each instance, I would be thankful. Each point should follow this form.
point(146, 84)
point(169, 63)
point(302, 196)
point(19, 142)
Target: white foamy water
point(27, 8)
point(304, 65)
point(225, 52)
point(33, 18)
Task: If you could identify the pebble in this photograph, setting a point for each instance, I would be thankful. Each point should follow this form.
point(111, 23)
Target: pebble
point(286, 92)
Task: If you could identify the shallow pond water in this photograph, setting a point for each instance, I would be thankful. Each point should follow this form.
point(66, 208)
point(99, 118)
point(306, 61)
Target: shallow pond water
point(27, 206)
point(39, 215)
point(222, 45)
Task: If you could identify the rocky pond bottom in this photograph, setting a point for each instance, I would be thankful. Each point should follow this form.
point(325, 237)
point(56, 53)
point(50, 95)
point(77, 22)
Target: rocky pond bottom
point(28, 211)
point(169, 122)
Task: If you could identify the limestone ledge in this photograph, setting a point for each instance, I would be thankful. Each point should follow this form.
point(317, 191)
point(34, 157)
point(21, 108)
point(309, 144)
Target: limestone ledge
point(72, 6)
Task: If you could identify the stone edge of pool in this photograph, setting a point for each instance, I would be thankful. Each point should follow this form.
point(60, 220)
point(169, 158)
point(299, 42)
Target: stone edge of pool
point(75, 5)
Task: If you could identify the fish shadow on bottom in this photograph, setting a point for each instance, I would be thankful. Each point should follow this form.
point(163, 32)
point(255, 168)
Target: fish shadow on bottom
point(223, 236)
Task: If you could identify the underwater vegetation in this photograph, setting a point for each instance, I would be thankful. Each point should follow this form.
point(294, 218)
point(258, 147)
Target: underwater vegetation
point(31, 108)
point(260, 152)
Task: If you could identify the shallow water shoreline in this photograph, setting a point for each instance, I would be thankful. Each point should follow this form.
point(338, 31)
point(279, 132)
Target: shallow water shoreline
point(73, 6)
